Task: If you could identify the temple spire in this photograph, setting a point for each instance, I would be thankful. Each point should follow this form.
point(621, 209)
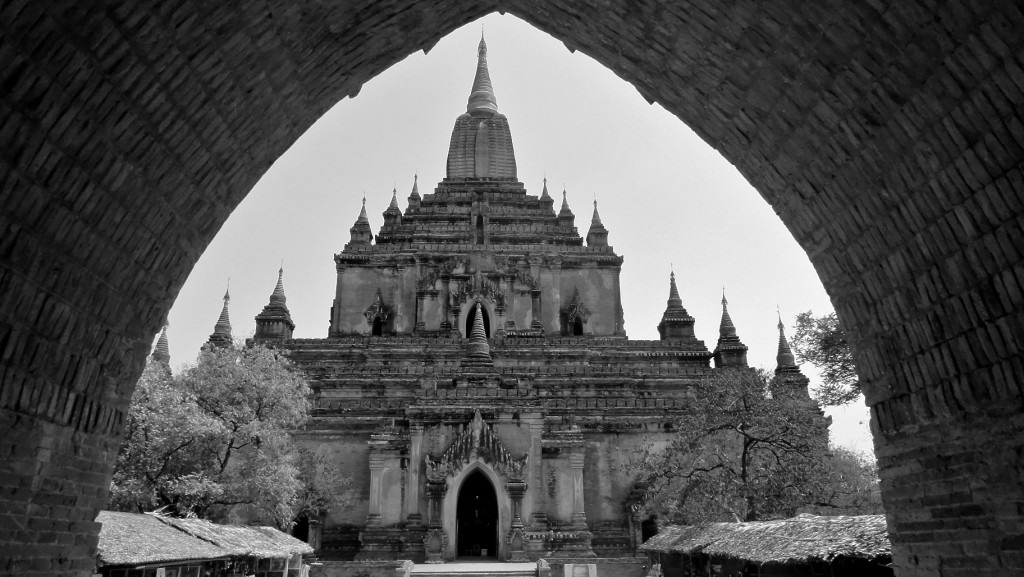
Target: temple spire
point(675, 323)
point(162, 352)
point(789, 377)
point(360, 233)
point(275, 321)
point(785, 358)
point(362, 218)
point(415, 187)
point(221, 336)
point(565, 205)
point(278, 295)
point(544, 193)
point(481, 98)
point(478, 352)
point(730, 351)
point(393, 214)
point(598, 234)
point(673, 291)
point(726, 329)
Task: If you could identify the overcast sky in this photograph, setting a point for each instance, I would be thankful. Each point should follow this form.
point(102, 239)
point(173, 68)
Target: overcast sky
point(666, 197)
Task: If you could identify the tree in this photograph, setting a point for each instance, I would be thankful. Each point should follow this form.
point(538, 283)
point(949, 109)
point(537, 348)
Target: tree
point(215, 438)
point(821, 342)
point(750, 449)
point(850, 485)
point(324, 488)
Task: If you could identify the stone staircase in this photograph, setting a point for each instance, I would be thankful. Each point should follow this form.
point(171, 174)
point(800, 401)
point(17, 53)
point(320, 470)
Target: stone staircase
point(472, 569)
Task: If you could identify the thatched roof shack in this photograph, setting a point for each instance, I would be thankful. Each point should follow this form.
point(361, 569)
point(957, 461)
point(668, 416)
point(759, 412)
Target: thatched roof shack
point(134, 539)
point(242, 541)
point(802, 540)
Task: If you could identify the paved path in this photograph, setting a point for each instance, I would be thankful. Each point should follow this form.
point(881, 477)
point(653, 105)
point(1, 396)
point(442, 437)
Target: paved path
point(459, 567)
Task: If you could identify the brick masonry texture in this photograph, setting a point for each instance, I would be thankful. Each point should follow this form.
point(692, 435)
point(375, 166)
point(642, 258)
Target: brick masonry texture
point(887, 135)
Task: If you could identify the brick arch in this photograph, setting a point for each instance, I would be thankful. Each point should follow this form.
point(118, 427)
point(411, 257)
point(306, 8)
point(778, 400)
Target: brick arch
point(889, 139)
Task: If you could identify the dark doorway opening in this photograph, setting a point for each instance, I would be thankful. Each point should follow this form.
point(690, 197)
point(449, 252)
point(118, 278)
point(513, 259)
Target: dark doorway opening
point(471, 317)
point(477, 518)
point(300, 530)
point(378, 327)
point(479, 229)
point(577, 327)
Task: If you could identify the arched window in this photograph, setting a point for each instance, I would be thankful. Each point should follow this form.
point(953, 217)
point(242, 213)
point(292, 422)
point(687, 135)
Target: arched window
point(479, 229)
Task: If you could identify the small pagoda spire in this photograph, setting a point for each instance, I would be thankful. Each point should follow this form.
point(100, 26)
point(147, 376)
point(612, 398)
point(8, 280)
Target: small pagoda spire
point(676, 323)
point(414, 196)
point(360, 233)
point(544, 193)
point(788, 376)
point(730, 351)
point(221, 336)
point(566, 219)
point(278, 295)
point(673, 291)
point(362, 218)
point(598, 234)
point(565, 211)
point(162, 352)
point(481, 97)
point(275, 321)
point(785, 358)
point(726, 329)
point(393, 214)
point(478, 352)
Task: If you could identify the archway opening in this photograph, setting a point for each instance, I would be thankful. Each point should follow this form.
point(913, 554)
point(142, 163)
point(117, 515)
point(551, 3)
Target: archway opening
point(476, 517)
point(300, 530)
point(471, 317)
point(378, 327)
point(577, 327)
point(479, 229)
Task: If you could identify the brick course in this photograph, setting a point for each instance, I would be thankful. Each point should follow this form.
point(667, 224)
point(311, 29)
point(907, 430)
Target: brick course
point(887, 135)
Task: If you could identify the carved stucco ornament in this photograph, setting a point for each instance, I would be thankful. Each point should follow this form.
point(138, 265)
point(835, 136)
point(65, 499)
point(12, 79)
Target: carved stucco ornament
point(575, 308)
point(378, 309)
point(476, 441)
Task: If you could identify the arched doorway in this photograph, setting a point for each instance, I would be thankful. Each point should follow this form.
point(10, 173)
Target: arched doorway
point(476, 518)
point(471, 317)
point(378, 327)
point(577, 327)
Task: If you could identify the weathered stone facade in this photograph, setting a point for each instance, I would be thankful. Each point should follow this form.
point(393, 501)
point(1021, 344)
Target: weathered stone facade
point(477, 347)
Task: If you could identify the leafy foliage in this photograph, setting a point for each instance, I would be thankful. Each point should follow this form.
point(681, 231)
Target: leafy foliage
point(850, 485)
point(750, 450)
point(216, 438)
point(821, 342)
point(324, 488)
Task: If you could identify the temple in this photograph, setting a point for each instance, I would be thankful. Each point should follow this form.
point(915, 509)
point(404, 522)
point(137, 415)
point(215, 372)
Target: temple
point(476, 382)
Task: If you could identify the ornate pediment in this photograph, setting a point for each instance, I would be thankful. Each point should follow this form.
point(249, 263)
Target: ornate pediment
point(476, 441)
point(378, 309)
point(575, 308)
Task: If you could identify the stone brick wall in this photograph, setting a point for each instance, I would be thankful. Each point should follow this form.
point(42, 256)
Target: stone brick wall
point(887, 135)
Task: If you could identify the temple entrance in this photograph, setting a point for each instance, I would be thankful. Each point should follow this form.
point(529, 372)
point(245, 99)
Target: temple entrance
point(472, 316)
point(477, 518)
point(378, 328)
